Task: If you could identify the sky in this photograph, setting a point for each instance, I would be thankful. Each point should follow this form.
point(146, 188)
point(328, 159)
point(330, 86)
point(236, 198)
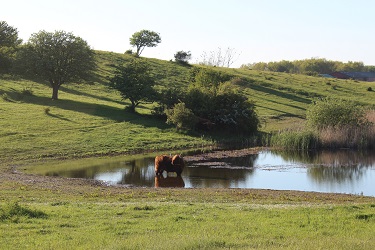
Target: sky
point(255, 30)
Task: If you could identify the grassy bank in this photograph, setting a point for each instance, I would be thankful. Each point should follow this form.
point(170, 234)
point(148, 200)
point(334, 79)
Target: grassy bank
point(95, 217)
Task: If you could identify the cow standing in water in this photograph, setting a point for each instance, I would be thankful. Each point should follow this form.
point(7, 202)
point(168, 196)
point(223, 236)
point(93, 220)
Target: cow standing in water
point(170, 164)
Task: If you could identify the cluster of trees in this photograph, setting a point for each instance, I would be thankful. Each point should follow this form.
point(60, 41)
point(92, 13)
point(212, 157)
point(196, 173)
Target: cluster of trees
point(57, 57)
point(210, 102)
point(60, 57)
point(313, 66)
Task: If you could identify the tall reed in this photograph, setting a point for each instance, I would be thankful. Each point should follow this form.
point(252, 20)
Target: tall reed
point(360, 136)
point(293, 140)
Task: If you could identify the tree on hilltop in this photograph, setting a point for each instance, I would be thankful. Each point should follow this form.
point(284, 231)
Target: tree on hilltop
point(182, 56)
point(58, 57)
point(144, 38)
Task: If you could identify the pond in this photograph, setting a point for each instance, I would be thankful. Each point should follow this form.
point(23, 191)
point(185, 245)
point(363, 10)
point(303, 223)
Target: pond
point(342, 171)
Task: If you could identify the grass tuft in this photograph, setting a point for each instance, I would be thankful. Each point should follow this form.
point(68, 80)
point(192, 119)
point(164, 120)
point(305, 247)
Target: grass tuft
point(13, 211)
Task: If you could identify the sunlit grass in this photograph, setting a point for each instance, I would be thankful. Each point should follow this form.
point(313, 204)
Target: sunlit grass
point(180, 225)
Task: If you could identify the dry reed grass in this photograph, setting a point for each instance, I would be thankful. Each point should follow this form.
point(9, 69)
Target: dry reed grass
point(350, 136)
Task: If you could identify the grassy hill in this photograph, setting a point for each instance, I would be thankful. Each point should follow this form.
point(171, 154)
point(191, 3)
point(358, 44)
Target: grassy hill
point(89, 119)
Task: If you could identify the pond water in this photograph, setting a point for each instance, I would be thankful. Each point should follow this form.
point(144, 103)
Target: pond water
point(326, 171)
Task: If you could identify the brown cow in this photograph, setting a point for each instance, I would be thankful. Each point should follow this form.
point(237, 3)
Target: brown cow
point(169, 164)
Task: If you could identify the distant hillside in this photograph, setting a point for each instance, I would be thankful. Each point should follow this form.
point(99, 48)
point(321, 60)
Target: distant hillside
point(90, 118)
point(278, 96)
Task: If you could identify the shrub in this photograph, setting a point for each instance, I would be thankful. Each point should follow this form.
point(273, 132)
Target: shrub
point(47, 110)
point(369, 89)
point(332, 112)
point(129, 52)
point(181, 116)
point(182, 57)
point(233, 112)
point(167, 98)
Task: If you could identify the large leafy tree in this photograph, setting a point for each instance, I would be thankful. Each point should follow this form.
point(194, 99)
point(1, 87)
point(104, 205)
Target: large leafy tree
point(8, 43)
point(144, 38)
point(58, 57)
point(134, 82)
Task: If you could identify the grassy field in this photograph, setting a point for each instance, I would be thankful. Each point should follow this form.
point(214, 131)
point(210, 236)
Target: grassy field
point(89, 120)
point(70, 215)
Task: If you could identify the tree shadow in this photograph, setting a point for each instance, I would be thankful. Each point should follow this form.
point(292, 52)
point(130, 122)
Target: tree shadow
point(59, 117)
point(81, 93)
point(279, 93)
point(101, 110)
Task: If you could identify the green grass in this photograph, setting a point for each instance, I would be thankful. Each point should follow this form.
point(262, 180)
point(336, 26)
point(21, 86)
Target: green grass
point(160, 220)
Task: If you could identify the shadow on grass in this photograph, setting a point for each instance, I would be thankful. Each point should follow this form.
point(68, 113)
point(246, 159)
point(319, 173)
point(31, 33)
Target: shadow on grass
point(279, 93)
point(101, 110)
point(81, 93)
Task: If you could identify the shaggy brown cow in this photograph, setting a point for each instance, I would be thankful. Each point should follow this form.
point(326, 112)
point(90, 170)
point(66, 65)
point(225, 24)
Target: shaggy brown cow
point(169, 164)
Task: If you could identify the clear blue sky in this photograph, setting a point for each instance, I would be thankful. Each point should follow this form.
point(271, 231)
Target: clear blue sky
point(260, 30)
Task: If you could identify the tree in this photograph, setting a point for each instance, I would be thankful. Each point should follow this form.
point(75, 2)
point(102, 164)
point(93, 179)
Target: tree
point(8, 35)
point(8, 43)
point(144, 38)
point(182, 57)
point(134, 82)
point(58, 57)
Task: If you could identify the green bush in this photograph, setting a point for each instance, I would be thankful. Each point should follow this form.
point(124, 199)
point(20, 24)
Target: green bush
point(332, 112)
point(181, 116)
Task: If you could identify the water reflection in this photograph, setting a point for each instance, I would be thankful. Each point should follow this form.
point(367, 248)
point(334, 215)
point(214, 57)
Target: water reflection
point(169, 181)
point(325, 171)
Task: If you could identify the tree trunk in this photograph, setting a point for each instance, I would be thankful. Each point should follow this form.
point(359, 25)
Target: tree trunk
point(55, 91)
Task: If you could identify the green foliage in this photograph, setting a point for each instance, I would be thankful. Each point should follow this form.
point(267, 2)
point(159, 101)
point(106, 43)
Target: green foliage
point(8, 35)
point(9, 42)
point(181, 116)
point(313, 66)
point(182, 57)
point(296, 140)
point(144, 38)
point(207, 79)
point(334, 112)
point(134, 81)
point(58, 57)
point(211, 97)
point(233, 112)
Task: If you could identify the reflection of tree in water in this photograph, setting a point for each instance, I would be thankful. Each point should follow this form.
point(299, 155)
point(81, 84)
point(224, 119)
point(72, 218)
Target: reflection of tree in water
point(338, 166)
point(139, 172)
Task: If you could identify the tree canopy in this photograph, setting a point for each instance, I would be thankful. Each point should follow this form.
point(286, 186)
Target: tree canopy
point(144, 38)
point(134, 82)
point(58, 57)
point(182, 56)
point(8, 42)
